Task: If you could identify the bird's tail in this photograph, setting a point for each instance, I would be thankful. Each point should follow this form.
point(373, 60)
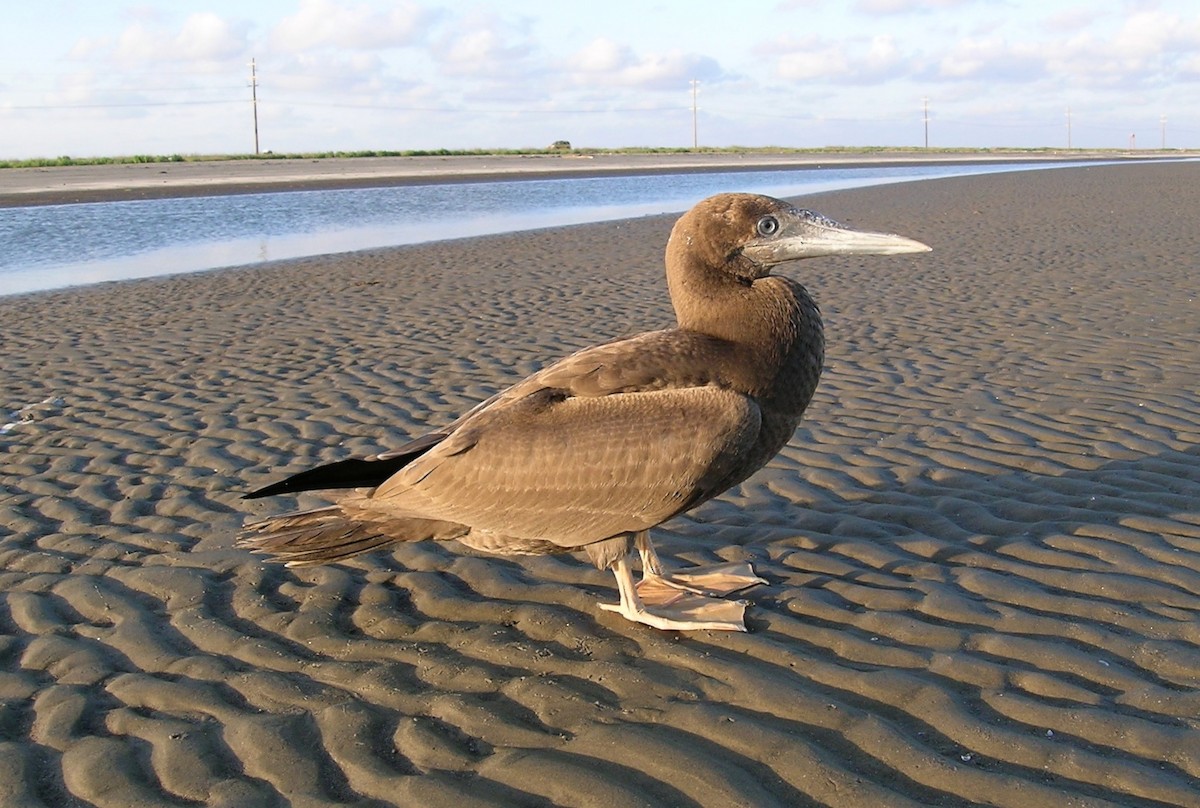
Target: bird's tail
point(325, 535)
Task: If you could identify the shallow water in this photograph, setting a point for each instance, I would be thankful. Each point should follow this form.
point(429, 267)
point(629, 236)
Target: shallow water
point(53, 246)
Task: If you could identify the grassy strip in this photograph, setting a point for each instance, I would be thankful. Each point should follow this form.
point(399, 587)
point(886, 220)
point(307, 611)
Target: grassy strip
point(42, 162)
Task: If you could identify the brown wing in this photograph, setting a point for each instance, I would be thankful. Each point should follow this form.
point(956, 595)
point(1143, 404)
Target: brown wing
point(576, 469)
point(655, 360)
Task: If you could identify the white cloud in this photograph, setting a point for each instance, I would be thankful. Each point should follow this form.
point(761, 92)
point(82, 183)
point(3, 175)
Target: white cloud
point(844, 61)
point(606, 63)
point(815, 61)
point(203, 37)
point(324, 73)
point(481, 52)
point(601, 55)
point(1147, 35)
point(992, 58)
point(488, 47)
point(1143, 49)
point(882, 51)
point(90, 46)
point(905, 6)
point(1149, 47)
point(1074, 19)
point(672, 70)
point(325, 23)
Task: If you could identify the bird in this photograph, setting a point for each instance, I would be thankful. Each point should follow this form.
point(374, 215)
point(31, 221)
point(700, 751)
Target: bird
point(592, 451)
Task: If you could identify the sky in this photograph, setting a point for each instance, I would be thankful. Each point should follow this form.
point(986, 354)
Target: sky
point(106, 78)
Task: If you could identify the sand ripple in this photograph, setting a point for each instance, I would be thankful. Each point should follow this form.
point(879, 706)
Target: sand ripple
point(983, 546)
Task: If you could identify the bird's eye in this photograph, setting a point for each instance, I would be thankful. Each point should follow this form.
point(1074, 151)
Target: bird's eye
point(768, 226)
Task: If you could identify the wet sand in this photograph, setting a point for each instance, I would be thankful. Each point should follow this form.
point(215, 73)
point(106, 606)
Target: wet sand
point(983, 544)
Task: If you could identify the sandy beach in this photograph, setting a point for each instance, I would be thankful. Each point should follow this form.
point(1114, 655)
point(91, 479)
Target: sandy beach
point(99, 183)
point(982, 545)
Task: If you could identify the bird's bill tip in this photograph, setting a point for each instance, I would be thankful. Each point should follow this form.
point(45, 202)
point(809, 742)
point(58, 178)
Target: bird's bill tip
point(884, 244)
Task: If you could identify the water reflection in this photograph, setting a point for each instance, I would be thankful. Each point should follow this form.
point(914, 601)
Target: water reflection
point(52, 246)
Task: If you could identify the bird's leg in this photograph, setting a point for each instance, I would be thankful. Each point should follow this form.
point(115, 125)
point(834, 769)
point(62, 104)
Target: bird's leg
point(714, 580)
point(685, 612)
point(652, 566)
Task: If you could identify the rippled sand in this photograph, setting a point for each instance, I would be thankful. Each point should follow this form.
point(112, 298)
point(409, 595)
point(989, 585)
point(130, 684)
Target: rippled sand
point(983, 544)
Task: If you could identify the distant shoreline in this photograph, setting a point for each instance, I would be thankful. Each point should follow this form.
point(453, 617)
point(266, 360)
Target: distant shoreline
point(54, 185)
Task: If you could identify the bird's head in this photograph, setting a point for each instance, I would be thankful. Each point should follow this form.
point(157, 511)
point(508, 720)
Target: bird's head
point(745, 235)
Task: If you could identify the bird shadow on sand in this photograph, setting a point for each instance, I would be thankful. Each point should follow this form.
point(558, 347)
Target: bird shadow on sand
point(997, 618)
point(1125, 533)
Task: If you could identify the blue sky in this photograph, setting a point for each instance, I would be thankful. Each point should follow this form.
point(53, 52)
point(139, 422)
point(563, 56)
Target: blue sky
point(98, 77)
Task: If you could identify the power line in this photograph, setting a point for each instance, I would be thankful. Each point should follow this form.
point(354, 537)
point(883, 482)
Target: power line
point(118, 105)
point(283, 101)
point(111, 90)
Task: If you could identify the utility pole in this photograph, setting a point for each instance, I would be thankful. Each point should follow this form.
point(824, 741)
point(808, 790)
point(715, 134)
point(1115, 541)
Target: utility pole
point(695, 135)
point(925, 105)
point(254, 101)
point(1162, 122)
point(1068, 128)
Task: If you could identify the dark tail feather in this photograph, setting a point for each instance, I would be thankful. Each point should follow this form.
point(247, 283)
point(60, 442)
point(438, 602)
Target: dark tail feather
point(326, 535)
point(352, 473)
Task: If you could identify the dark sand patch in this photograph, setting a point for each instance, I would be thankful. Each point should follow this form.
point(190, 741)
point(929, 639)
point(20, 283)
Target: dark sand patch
point(983, 543)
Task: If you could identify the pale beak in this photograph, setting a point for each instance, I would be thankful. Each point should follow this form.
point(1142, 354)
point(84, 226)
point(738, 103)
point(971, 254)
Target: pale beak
point(804, 234)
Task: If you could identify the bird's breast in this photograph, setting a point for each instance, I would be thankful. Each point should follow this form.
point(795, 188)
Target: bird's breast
point(788, 350)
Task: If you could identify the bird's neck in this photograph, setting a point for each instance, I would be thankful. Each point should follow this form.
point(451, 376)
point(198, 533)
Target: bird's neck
point(774, 326)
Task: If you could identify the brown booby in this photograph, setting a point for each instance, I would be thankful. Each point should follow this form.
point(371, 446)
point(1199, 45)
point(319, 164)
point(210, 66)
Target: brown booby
point(594, 450)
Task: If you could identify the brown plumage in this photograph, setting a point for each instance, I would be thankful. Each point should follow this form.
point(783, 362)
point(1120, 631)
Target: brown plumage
point(594, 450)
